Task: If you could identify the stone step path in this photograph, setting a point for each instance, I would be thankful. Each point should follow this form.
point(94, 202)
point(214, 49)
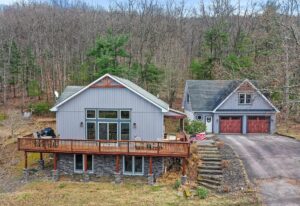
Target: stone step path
point(210, 173)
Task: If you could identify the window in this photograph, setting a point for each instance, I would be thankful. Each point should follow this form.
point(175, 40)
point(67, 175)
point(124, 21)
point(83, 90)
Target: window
point(109, 124)
point(125, 115)
point(90, 114)
point(79, 163)
point(199, 117)
point(133, 165)
point(108, 114)
point(108, 131)
point(188, 98)
point(91, 130)
point(125, 128)
point(244, 98)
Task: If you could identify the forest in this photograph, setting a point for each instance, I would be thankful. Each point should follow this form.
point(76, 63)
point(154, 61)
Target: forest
point(45, 46)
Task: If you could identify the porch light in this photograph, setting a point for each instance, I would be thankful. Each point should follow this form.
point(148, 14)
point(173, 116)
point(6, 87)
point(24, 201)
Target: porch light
point(81, 124)
point(134, 125)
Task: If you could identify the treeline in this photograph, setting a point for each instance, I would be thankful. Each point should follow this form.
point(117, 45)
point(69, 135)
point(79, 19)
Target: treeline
point(157, 44)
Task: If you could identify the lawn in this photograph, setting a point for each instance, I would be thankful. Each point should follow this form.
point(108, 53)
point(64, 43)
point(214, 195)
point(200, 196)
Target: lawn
point(291, 129)
point(106, 193)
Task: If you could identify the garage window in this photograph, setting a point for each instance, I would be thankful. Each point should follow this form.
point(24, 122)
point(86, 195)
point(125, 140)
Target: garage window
point(244, 98)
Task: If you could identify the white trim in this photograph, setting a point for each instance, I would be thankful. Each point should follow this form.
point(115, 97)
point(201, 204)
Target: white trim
point(55, 108)
point(133, 167)
point(257, 90)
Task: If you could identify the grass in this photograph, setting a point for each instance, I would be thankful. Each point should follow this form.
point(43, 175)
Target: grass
point(106, 193)
point(292, 130)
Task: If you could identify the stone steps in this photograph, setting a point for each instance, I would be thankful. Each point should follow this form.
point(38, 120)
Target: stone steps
point(211, 163)
point(210, 171)
point(211, 177)
point(211, 159)
point(209, 152)
point(210, 181)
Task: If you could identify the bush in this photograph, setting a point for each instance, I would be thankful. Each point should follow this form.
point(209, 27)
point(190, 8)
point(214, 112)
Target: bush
point(177, 184)
point(40, 108)
point(2, 116)
point(194, 127)
point(202, 192)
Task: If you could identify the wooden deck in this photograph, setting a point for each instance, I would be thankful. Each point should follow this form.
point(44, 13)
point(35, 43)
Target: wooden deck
point(103, 147)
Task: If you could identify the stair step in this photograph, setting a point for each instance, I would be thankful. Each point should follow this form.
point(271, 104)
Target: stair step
point(211, 159)
point(206, 145)
point(210, 167)
point(210, 181)
point(210, 156)
point(210, 171)
point(209, 186)
point(211, 177)
point(209, 152)
point(211, 163)
point(207, 148)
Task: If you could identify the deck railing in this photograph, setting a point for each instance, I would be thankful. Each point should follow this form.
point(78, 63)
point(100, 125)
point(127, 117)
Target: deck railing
point(113, 147)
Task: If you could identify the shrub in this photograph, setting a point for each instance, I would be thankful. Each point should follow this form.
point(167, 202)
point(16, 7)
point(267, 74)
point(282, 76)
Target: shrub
point(177, 184)
point(194, 127)
point(40, 108)
point(2, 116)
point(62, 185)
point(202, 192)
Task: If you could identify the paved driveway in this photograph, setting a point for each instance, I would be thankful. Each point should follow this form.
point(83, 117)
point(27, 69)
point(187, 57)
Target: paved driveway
point(272, 164)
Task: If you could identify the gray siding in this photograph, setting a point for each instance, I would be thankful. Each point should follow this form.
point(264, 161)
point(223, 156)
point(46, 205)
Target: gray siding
point(148, 117)
point(257, 103)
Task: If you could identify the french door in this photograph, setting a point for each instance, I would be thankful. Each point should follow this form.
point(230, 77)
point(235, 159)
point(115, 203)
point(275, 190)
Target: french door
point(108, 131)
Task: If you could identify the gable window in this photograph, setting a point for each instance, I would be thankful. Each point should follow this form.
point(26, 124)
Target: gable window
point(79, 163)
point(90, 114)
point(108, 114)
point(188, 98)
point(244, 98)
point(133, 165)
point(125, 114)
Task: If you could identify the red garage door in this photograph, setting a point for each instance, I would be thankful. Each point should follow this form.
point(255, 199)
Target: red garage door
point(258, 124)
point(230, 124)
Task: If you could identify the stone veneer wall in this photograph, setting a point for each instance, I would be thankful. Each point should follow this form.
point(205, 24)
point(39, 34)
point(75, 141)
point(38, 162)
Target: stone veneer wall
point(104, 165)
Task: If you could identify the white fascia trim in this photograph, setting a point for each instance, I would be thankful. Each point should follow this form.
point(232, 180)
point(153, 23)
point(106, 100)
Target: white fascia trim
point(257, 90)
point(54, 109)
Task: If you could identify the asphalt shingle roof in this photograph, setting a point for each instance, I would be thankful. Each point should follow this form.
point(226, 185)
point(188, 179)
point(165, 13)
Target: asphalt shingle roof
point(206, 95)
point(68, 91)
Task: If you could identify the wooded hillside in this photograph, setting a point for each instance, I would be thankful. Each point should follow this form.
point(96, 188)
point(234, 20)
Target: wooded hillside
point(157, 44)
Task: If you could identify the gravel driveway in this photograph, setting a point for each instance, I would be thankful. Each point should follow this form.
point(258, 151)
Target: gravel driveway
point(272, 164)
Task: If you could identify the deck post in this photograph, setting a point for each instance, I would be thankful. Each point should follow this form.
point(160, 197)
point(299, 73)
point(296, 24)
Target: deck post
point(86, 176)
point(184, 177)
point(117, 172)
point(150, 175)
point(25, 170)
point(41, 162)
point(181, 125)
point(55, 174)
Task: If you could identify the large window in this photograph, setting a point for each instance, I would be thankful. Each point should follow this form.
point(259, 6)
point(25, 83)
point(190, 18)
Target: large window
point(133, 165)
point(79, 163)
point(114, 124)
point(244, 98)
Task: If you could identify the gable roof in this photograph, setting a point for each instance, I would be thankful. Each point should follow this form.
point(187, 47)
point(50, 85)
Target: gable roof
point(254, 87)
point(72, 91)
point(209, 95)
point(206, 95)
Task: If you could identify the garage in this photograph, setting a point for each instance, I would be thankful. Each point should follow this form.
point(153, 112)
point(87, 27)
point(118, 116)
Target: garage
point(231, 124)
point(258, 124)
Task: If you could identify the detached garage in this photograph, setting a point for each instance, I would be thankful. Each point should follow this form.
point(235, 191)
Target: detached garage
point(258, 124)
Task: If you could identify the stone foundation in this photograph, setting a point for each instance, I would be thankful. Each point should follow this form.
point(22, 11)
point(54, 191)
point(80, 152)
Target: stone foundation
point(105, 165)
point(55, 175)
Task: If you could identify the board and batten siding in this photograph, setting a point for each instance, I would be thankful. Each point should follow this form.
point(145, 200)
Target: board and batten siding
point(148, 117)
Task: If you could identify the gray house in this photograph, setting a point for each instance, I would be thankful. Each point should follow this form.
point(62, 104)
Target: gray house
point(229, 106)
point(109, 127)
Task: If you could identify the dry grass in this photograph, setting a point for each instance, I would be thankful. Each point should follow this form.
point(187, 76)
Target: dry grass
point(291, 129)
point(105, 193)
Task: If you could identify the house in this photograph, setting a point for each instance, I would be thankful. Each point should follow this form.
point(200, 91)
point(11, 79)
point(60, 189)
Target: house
point(229, 106)
point(109, 127)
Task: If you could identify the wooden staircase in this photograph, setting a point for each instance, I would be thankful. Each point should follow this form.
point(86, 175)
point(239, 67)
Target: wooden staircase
point(210, 172)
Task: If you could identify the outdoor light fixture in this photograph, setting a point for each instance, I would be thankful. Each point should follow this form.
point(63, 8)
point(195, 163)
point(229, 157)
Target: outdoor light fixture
point(134, 125)
point(81, 124)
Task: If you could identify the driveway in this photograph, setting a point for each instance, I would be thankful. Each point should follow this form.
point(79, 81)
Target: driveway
point(272, 164)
